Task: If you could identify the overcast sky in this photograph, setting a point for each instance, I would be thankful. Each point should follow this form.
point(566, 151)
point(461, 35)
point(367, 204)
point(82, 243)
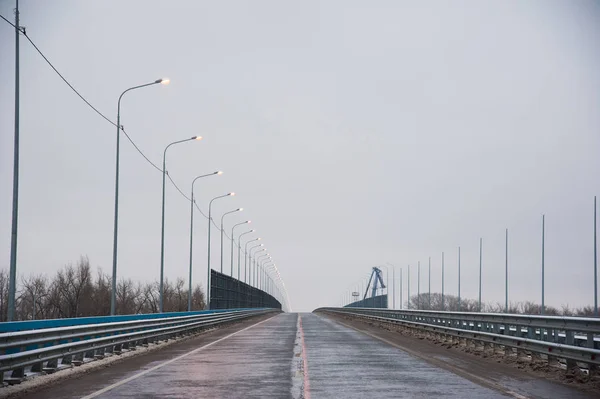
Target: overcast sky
point(354, 133)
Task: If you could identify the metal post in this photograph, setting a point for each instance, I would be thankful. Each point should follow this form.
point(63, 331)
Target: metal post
point(408, 283)
point(480, 268)
point(506, 273)
point(543, 254)
point(442, 281)
point(419, 285)
point(162, 226)
point(223, 232)
point(595, 263)
point(387, 288)
point(113, 295)
point(401, 299)
point(459, 308)
point(15, 202)
point(393, 288)
point(191, 249)
point(231, 257)
point(239, 254)
point(429, 289)
point(208, 250)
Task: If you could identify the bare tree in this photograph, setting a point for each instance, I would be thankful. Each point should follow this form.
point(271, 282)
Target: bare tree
point(32, 298)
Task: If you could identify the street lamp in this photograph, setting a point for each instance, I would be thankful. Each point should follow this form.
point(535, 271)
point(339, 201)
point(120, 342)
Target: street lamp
point(393, 285)
point(208, 266)
point(222, 230)
point(263, 270)
point(240, 247)
point(192, 202)
point(257, 265)
point(162, 226)
point(233, 242)
point(246, 256)
point(253, 274)
point(113, 295)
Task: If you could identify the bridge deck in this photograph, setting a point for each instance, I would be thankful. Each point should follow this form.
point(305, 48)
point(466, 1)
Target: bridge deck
point(266, 360)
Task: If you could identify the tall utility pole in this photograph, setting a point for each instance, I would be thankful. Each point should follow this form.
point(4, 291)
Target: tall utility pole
point(442, 281)
point(459, 279)
point(408, 284)
point(419, 285)
point(401, 305)
point(506, 273)
point(480, 267)
point(543, 269)
point(595, 264)
point(429, 289)
point(15, 203)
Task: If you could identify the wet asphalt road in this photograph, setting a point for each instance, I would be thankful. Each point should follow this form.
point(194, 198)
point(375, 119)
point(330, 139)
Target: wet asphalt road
point(344, 363)
point(259, 361)
point(255, 363)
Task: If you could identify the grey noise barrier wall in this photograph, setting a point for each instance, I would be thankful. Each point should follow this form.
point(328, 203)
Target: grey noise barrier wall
point(229, 293)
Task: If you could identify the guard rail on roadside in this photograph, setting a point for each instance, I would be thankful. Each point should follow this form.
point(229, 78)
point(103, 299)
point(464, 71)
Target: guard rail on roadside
point(46, 350)
point(574, 339)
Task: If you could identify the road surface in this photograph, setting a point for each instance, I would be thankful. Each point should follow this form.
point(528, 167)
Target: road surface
point(285, 356)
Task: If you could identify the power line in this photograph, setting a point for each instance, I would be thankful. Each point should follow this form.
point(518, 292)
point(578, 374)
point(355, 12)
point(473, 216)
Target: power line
point(23, 31)
point(140, 151)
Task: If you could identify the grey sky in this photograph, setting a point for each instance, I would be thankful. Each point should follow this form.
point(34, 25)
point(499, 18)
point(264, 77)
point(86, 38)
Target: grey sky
point(355, 133)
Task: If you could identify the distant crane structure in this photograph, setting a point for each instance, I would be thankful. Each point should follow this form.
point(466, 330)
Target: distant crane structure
point(377, 280)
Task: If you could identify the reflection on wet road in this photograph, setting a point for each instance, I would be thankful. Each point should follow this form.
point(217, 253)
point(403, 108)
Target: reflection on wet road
point(343, 363)
point(254, 363)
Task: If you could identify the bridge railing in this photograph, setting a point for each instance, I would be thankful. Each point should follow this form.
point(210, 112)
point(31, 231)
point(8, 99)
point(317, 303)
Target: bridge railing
point(574, 339)
point(49, 349)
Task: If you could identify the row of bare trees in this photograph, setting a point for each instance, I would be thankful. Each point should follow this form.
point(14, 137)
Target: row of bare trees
point(76, 291)
point(450, 303)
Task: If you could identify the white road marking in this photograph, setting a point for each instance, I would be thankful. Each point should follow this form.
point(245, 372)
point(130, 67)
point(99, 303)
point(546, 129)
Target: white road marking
point(158, 366)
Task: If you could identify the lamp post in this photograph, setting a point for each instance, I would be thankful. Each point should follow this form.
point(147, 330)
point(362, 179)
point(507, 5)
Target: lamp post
point(267, 277)
point(258, 266)
point(246, 258)
point(233, 243)
point(459, 279)
point(253, 272)
point(162, 226)
point(419, 285)
point(240, 248)
point(408, 286)
point(401, 305)
point(429, 287)
point(113, 295)
point(443, 282)
point(222, 231)
point(208, 265)
point(192, 203)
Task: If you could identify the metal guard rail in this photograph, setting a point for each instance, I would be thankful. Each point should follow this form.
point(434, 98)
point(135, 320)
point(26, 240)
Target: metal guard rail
point(556, 337)
point(72, 344)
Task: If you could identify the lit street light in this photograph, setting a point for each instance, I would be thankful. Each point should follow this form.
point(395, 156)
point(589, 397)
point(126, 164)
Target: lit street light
point(113, 295)
point(162, 226)
point(233, 243)
point(192, 203)
point(222, 231)
point(208, 265)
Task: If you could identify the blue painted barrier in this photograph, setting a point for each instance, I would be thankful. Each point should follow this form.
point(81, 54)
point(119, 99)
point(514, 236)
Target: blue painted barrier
point(79, 321)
